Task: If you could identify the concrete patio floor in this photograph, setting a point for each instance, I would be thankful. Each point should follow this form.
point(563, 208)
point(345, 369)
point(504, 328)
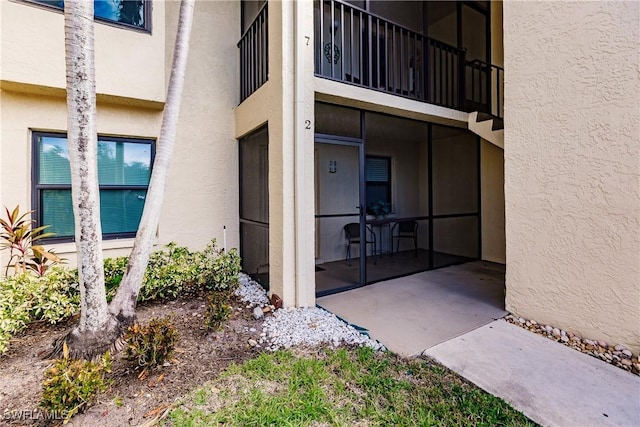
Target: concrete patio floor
point(413, 313)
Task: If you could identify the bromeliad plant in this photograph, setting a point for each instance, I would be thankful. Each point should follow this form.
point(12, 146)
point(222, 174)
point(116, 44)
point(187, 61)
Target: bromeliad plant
point(19, 237)
point(151, 345)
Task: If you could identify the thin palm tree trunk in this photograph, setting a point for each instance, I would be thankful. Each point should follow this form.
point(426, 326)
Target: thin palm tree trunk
point(123, 305)
point(82, 141)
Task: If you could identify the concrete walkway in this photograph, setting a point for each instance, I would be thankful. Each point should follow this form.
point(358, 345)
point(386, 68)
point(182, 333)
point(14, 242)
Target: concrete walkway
point(550, 383)
point(451, 313)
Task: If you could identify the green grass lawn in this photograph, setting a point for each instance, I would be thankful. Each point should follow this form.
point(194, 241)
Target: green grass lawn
point(341, 387)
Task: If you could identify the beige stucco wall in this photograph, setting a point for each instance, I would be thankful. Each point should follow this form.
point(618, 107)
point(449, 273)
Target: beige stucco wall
point(572, 175)
point(202, 192)
point(129, 63)
point(497, 37)
point(291, 237)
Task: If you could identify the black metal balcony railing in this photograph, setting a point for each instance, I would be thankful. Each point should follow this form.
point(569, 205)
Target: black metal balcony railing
point(484, 88)
point(254, 55)
point(358, 47)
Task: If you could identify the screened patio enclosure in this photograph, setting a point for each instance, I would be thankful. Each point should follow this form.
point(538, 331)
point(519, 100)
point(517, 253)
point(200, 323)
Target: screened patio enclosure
point(254, 204)
point(426, 175)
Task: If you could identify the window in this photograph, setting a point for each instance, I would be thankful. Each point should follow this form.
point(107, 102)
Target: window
point(378, 179)
point(124, 169)
point(129, 13)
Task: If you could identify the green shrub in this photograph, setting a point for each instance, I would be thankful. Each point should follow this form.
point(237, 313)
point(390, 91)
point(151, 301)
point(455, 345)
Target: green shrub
point(169, 271)
point(114, 269)
point(175, 270)
point(218, 308)
point(218, 270)
point(70, 386)
point(172, 271)
point(151, 345)
point(25, 298)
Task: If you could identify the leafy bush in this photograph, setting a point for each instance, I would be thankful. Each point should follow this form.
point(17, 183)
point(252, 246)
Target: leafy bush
point(218, 270)
point(151, 345)
point(172, 271)
point(175, 270)
point(169, 272)
point(25, 298)
point(218, 308)
point(114, 269)
point(70, 386)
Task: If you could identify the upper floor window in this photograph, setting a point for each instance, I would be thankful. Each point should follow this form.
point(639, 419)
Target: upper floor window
point(124, 170)
point(129, 13)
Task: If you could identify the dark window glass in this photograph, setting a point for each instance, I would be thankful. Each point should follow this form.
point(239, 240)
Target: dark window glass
point(124, 170)
point(378, 179)
point(127, 12)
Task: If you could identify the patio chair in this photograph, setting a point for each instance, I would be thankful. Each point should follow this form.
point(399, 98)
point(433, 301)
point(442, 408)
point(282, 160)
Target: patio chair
point(406, 230)
point(352, 233)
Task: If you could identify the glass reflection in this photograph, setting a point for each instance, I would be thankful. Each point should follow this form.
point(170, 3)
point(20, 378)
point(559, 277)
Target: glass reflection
point(130, 12)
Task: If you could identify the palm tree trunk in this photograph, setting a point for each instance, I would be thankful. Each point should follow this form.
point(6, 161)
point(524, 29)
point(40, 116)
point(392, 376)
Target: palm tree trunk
point(124, 303)
point(101, 326)
point(82, 141)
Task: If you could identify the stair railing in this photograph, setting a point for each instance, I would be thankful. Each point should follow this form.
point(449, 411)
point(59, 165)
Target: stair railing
point(484, 88)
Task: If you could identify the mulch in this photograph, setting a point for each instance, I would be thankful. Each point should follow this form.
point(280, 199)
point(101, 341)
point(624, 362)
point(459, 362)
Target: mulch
point(133, 399)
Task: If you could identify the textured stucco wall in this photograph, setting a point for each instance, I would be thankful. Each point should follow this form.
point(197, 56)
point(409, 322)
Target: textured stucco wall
point(129, 63)
point(572, 175)
point(291, 260)
point(202, 191)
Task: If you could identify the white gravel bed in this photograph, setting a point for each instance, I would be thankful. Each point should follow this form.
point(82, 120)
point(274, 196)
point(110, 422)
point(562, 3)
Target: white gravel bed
point(312, 326)
point(290, 327)
point(251, 292)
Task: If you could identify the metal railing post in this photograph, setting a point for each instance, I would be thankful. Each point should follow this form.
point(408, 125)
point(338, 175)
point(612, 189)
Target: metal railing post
point(462, 71)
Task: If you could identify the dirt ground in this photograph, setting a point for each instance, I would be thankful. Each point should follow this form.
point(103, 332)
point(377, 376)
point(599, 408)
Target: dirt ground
point(200, 355)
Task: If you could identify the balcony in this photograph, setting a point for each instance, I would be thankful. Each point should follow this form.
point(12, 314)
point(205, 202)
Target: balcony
point(360, 48)
point(254, 54)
